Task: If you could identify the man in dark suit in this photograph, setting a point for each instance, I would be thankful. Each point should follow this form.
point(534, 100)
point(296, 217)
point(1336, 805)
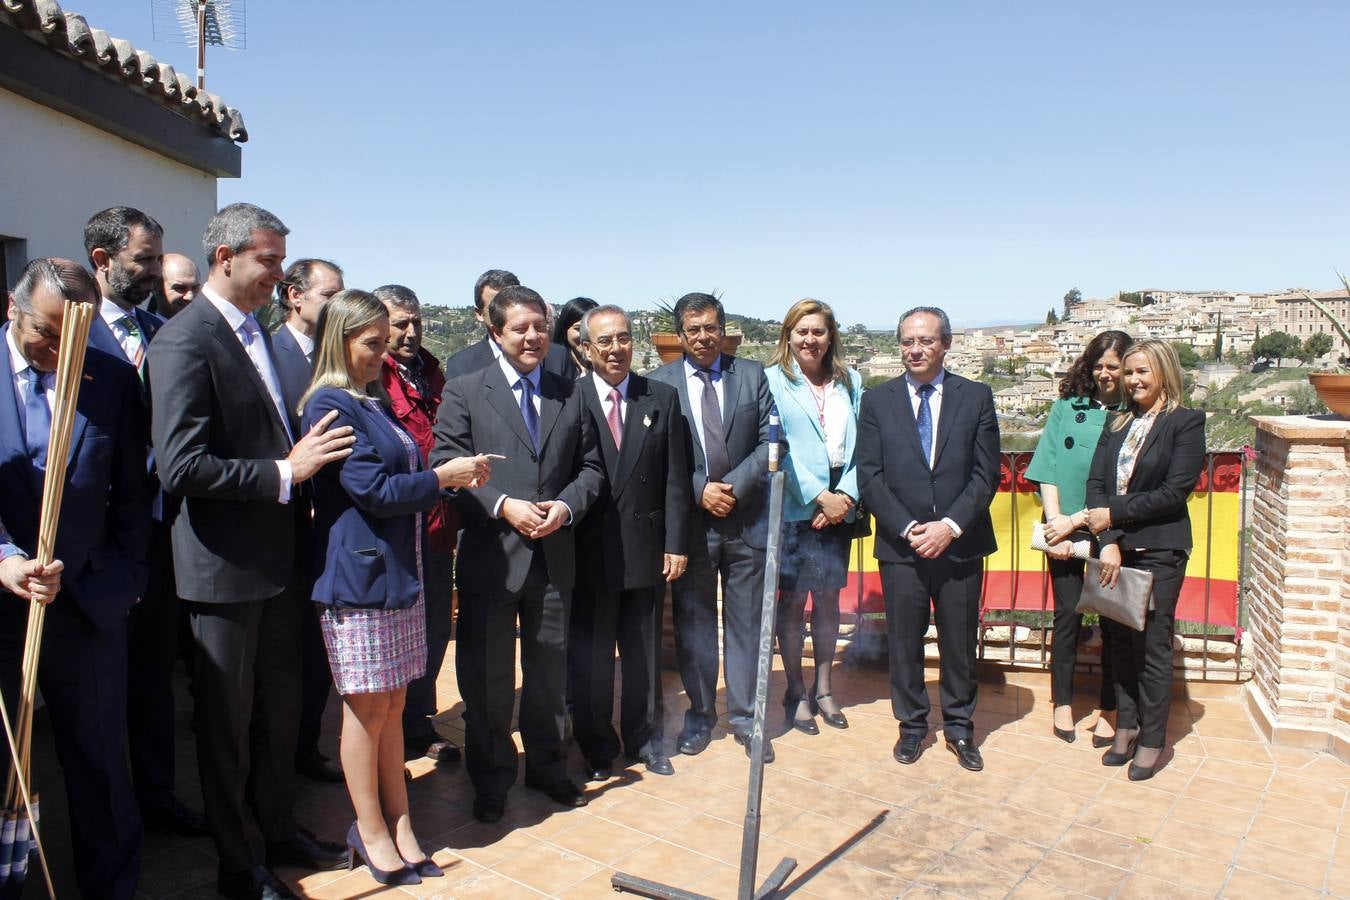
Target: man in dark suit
point(928, 467)
point(307, 286)
point(481, 354)
point(517, 540)
point(726, 403)
point(102, 539)
point(179, 283)
point(229, 444)
point(124, 247)
point(629, 546)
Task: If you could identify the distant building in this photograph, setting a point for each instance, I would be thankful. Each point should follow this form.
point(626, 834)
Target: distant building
point(1295, 315)
point(91, 122)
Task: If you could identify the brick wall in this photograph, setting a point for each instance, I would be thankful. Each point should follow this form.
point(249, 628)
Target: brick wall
point(1298, 610)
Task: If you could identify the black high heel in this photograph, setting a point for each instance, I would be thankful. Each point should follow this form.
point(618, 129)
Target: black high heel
point(425, 868)
point(805, 726)
point(1067, 735)
point(1101, 743)
point(356, 847)
point(834, 720)
point(1112, 758)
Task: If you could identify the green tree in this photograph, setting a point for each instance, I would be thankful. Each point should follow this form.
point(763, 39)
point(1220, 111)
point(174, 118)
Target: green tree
point(1315, 345)
point(857, 328)
point(1051, 318)
point(1303, 399)
point(872, 381)
point(1218, 339)
point(1186, 353)
point(1275, 346)
point(1133, 297)
point(1073, 296)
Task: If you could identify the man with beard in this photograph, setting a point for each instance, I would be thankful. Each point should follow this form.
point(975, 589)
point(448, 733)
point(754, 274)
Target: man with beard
point(125, 247)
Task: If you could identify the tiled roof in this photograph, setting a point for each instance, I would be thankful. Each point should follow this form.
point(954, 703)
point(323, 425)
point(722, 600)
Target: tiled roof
point(70, 35)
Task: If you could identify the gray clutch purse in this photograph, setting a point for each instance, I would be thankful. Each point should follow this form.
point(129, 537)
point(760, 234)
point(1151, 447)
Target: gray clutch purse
point(1127, 603)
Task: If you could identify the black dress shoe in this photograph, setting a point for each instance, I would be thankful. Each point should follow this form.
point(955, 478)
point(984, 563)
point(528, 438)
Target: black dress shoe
point(174, 816)
point(1101, 743)
point(805, 726)
point(317, 767)
point(564, 793)
point(432, 746)
point(692, 743)
point(600, 773)
point(489, 808)
point(967, 754)
point(908, 749)
point(745, 741)
point(656, 762)
point(834, 720)
point(258, 883)
point(1112, 758)
point(303, 849)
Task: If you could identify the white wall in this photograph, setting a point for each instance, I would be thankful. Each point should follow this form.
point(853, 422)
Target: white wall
point(55, 172)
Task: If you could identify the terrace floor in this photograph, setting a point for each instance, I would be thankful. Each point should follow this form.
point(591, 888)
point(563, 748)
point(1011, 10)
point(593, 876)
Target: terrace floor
point(1227, 816)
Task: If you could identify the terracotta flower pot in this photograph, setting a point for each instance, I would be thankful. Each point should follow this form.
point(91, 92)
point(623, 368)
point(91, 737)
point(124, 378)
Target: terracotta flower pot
point(1333, 389)
point(669, 348)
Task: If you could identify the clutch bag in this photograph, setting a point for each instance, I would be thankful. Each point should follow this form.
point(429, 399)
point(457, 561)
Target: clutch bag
point(1127, 603)
point(1081, 549)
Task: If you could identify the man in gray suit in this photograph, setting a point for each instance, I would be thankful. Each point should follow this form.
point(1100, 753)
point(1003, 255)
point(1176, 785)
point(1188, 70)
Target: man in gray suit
point(517, 540)
point(726, 403)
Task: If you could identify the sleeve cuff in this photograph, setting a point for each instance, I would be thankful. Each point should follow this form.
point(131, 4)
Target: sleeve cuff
point(956, 529)
point(7, 550)
point(497, 507)
point(569, 512)
point(284, 469)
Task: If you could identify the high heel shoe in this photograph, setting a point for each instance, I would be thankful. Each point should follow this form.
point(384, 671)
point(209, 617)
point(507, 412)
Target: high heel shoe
point(1101, 743)
point(356, 847)
point(1112, 758)
point(805, 726)
point(1140, 773)
point(425, 868)
point(1067, 735)
point(834, 720)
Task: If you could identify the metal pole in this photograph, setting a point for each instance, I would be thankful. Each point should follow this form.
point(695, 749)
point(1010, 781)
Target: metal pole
point(201, 45)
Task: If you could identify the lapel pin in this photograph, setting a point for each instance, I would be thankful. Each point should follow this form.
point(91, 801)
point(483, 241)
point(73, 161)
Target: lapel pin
point(647, 421)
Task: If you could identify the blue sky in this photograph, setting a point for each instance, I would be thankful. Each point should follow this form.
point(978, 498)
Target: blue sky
point(981, 156)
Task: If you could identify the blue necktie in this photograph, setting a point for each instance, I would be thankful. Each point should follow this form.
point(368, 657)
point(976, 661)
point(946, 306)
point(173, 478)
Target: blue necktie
point(37, 426)
point(926, 424)
point(528, 411)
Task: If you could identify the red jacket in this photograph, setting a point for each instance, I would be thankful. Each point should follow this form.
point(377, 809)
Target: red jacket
point(417, 413)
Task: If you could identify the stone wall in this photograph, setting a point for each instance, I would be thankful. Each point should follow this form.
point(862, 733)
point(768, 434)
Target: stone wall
point(1298, 625)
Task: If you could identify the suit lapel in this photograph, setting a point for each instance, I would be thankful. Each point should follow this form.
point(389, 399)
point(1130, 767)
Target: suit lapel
point(641, 411)
point(503, 400)
point(908, 426)
point(597, 412)
point(225, 336)
point(798, 391)
point(952, 393)
point(1151, 438)
point(730, 383)
point(550, 406)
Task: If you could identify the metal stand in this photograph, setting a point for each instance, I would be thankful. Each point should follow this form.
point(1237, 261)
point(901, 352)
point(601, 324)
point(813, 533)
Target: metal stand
point(755, 791)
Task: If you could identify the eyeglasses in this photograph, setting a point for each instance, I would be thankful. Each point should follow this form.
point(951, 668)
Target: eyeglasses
point(694, 331)
point(604, 343)
point(922, 342)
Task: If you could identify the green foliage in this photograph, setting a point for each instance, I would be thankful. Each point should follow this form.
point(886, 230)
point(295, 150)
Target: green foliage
point(1073, 296)
point(1186, 353)
point(1051, 318)
point(1303, 400)
point(1132, 297)
point(872, 381)
point(1275, 346)
point(1314, 346)
point(857, 328)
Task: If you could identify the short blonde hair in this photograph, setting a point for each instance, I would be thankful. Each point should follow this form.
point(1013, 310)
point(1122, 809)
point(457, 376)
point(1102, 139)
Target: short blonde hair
point(348, 313)
point(1162, 358)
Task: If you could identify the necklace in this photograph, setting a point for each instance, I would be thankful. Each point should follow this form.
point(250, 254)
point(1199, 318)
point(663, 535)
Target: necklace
point(819, 397)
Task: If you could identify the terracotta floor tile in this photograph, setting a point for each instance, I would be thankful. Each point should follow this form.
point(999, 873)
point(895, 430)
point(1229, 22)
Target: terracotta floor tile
point(890, 788)
point(488, 845)
point(1035, 889)
point(712, 837)
point(1316, 815)
point(913, 829)
point(1046, 800)
point(1074, 873)
point(1012, 857)
point(355, 884)
point(456, 870)
point(1248, 885)
point(600, 840)
point(1190, 871)
point(1121, 820)
point(169, 871)
point(1294, 758)
point(1010, 765)
point(1024, 825)
point(490, 886)
point(1341, 855)
point(666, 863)
point(955, 805)
point(648, 814)
point(1295, 836)
point(1207, 843)
point(815, 831)
point(1236, 750)
point(546, 868)
point(1278, 862)
point(1231, 729)
point(1143, 887)
point(891, 857)
point(967, 876)
point(1223, 793)
point(1338, 880)
point(597, 887)
point(1311, 790)
point(1210, 815)
point(1101, 846)
point(846, 880)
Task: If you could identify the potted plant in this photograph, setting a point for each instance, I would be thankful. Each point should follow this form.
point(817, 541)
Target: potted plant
point(666, 338)
point(1333, 386)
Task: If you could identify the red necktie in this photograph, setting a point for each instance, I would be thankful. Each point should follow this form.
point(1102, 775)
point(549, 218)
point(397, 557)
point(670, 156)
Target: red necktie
point(615, 423)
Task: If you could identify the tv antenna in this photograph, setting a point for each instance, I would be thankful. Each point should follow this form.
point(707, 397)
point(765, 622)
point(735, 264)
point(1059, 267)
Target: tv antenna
point(202, 22)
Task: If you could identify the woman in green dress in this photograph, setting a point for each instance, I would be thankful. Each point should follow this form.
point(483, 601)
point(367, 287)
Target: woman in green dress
point(1060, 465)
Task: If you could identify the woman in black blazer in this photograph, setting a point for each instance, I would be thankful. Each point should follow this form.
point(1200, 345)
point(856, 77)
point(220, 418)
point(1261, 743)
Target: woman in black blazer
point(369, 530)
point(1145, 467)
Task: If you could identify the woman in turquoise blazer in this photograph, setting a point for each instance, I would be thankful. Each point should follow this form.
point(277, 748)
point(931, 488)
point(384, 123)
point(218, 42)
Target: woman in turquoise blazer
point(1063, 458)
point(817, 398)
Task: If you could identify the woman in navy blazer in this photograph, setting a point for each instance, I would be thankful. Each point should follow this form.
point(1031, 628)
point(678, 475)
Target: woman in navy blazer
point(1145, 468)
point(817, 398)
point(369, 533)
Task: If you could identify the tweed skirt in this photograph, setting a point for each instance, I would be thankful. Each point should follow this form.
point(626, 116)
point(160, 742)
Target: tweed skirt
point(375, 650)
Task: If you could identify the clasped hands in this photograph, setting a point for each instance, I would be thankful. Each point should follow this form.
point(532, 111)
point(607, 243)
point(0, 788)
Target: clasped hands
point(718, 498)
point(832, 508)
point(534, 520)
point(931, 539)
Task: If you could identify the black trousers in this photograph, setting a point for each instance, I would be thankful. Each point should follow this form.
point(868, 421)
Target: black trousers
point(248, 691)
point(1066, 582)
point(1143, 659)
point(953, 591)
point(153, 645)
point(719, 550)
point(420, 705)
point(485, 663)
point(83, 678)
point(602, 620)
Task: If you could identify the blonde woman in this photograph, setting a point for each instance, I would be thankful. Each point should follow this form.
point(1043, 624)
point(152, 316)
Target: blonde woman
point(817, 398)
point(369, 535)
point(1145, 467)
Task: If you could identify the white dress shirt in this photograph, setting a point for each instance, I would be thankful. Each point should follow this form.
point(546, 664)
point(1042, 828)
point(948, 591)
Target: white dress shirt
point(18, 366)
point(235, 317)
point(113, 314)
point(603, 387)
point(303, 341)
point(838, 410)
point(935, 410)
point(695, 386)
point(513, 378)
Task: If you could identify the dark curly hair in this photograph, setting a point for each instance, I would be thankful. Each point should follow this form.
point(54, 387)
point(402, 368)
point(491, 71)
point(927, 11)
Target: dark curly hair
point(1079, 382)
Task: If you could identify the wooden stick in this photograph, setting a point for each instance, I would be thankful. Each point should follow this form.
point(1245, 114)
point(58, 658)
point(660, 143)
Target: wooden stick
point(27, 801)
